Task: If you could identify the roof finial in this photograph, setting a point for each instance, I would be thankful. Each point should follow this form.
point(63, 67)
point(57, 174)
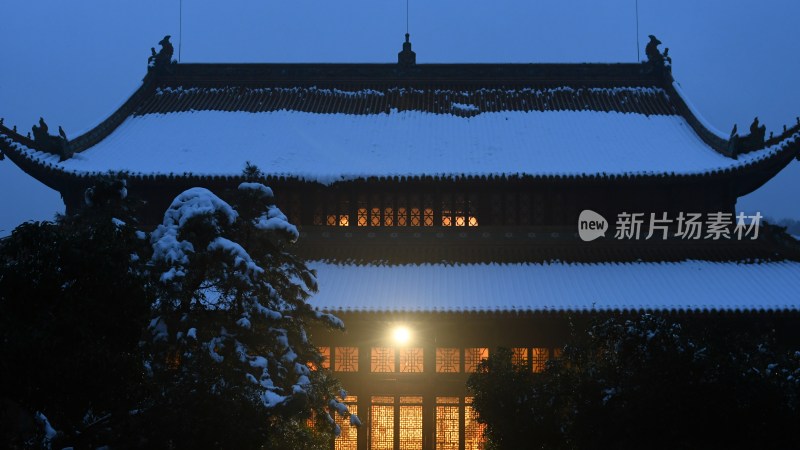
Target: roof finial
point(407, 57)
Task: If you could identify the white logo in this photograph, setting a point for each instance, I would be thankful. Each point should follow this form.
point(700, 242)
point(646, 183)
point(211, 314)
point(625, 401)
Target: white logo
point(591, 225)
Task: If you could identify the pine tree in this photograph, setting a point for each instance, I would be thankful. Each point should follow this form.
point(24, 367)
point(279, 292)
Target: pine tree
point(227, 345)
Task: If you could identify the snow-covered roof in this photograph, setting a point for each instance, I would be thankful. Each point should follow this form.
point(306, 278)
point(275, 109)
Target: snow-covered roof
point(332, 122)
point(688, 285)
point(332, 147)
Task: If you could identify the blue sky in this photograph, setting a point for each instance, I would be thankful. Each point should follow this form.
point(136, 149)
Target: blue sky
point(75, 62)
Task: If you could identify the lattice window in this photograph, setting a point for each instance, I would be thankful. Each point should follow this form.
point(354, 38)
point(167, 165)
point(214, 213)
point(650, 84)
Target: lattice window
point(461, 211)
point(361, 213)
point(472, 208)
point(447, 423)
point(539, 357)
point(381, 428)
point(473, 431)
point(325, 363)
point(411, 360)
point(473, 357)
point(448, 360)
point(388, 211)
point(519, 356)
point(348, 439)
point(361, 217)
point(331, 220)
point(375, 217)
point(427, 211)
point(416, 217)
point(346, 359)
point(344, 212)
point(447, 210)
point(416, 211)
point(382, 359)
point(410, 423)
point(402, 211)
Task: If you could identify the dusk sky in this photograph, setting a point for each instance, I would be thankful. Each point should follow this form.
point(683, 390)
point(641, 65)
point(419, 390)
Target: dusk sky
point(74, 62)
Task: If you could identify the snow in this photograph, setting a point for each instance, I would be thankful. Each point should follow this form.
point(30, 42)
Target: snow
point(525, 287)
point(194, 202)
point(275, 220)
point(697, 114)
point(332, 147)
point(241, 259)
point(258, 187)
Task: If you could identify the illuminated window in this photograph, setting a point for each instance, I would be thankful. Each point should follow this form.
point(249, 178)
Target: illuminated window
point(448, 360)
point(460, 219)
point(473, 357)
point(519, 356)
point(344, 212)
point(427, 217)
point(382, 359)
point(447, 211)
point(346, 359)
point(539, 357)
point(361, 212)
point(411, 359)
point(348, 440)
point(375, 217)
point(362, 217)
point(410, 423)
point(473, 431)
point(427, 211)
point(388, 211)
point(472, 211)
point(381, 428)
point(416, 218)
point(402, 211)
point(325, 353)
point(447, 423)
point(331, 221)
point(388, 217)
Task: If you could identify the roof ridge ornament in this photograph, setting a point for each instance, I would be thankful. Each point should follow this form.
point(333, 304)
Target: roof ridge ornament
point(747, 143)
point(56, 145)
point(407, 57)
point(655, 59)
point(162, 59)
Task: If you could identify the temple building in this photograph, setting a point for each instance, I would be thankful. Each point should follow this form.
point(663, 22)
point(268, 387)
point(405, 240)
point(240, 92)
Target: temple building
point(451, 209)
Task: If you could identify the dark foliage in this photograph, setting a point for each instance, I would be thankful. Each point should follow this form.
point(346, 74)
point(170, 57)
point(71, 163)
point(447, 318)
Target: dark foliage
point(646, 383)
point(100, 345)
point(72, 303)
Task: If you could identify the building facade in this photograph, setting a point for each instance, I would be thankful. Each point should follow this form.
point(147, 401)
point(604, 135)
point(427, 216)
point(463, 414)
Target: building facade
point(443, 207)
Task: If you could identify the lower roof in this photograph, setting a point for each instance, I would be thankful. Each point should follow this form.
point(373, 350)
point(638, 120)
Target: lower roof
point(539, 287)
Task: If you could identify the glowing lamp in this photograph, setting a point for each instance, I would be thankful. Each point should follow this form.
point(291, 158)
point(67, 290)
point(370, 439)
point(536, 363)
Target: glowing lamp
point(401, 335)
